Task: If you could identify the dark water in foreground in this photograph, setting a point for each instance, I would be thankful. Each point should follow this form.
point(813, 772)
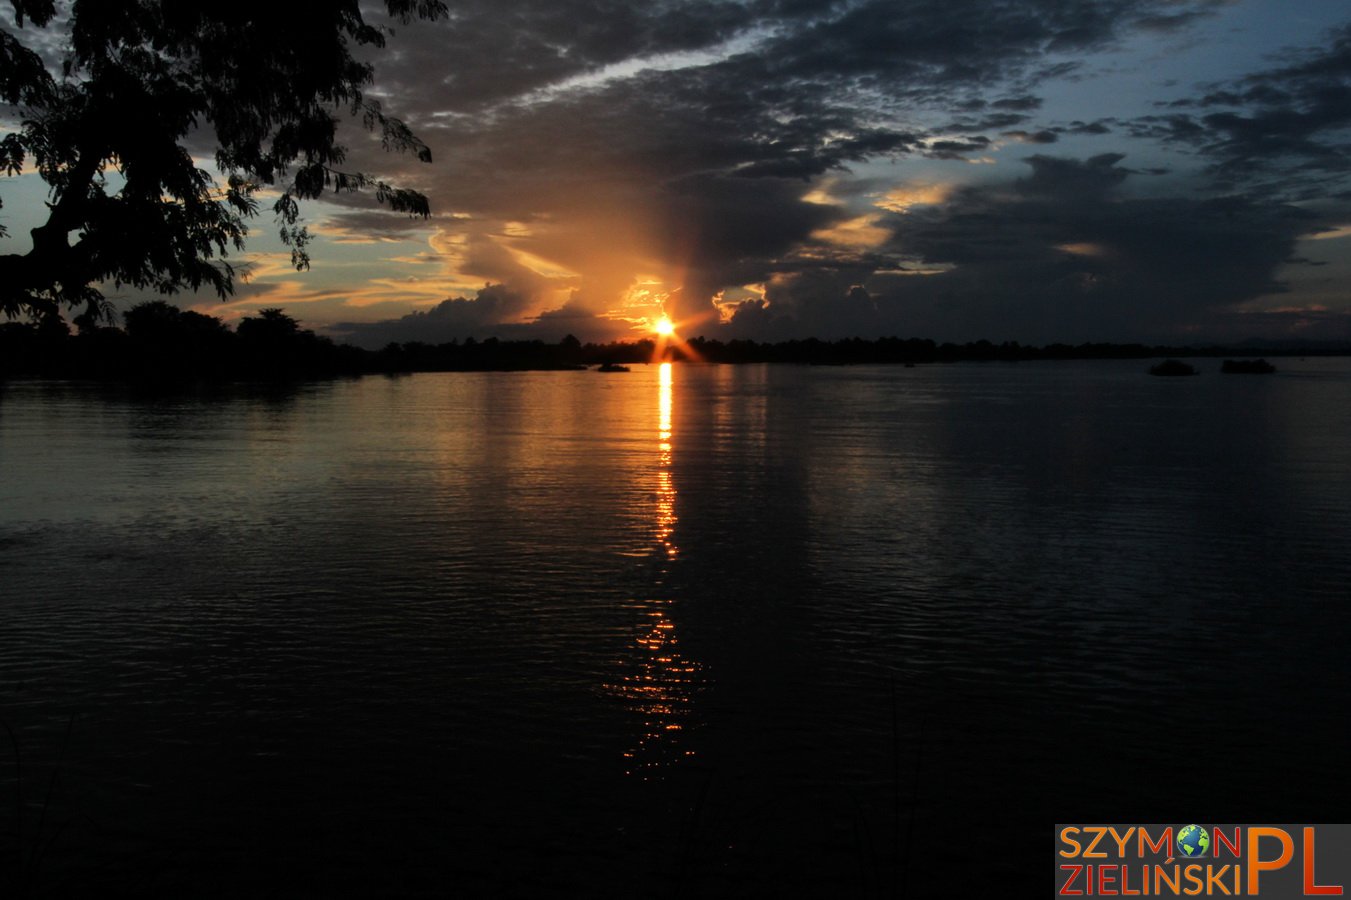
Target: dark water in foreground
point(714, 632)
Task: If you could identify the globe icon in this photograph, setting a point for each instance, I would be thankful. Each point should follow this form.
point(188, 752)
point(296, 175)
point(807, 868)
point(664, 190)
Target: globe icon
point(1193, 840)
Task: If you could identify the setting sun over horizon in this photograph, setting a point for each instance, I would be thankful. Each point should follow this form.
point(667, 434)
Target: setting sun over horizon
point(1143, 171)
point(785, 448)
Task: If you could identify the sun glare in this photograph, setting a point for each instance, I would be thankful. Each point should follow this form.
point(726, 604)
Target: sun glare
point(670, 345)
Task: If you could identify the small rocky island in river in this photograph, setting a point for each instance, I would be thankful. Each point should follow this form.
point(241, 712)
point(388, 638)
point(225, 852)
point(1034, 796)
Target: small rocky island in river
point(1247, 367)
point(1173, 367)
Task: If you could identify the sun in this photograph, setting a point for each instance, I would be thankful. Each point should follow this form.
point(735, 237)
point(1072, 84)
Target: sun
point(668, 344)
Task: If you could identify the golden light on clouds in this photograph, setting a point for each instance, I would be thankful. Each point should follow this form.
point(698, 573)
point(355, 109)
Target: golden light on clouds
point(1083, 248)
point(452, 246)
point(903, 198)
point(820, 196)
point(644, 297)
point(727, 300)
point(861, 233)
point(361, 281)
point(342, 234)
point(1340, 231)
point(516, 230)
point(918, 269)
point(541, 266)
point(415, 291)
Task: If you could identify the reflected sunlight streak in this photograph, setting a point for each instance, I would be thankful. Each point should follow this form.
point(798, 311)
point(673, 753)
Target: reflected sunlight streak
point(666, 492)
point(662, 688)
point(669, 344)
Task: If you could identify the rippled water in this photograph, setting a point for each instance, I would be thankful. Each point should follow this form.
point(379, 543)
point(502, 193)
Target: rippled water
point(720, 631)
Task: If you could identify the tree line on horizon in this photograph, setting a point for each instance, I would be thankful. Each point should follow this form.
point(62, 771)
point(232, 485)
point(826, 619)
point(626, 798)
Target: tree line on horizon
point(160, 342)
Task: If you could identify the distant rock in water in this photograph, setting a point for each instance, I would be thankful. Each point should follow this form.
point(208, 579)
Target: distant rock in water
point(1247, 367)
point(611, 367)
point(1173, 367)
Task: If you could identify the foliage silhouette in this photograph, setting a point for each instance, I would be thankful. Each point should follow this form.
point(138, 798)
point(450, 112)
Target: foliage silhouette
point(267, 80)
point(164, 344)
point(1173, 367)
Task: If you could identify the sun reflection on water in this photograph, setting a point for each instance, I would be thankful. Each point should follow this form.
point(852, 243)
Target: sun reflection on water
point(660, 687)
point(666, 492)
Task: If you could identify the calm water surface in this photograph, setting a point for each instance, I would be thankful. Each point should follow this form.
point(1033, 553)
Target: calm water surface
point(690, 631)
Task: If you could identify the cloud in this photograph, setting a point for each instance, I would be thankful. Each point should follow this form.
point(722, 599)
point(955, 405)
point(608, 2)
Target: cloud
point(1284, 130)
point(368, 226)
point(710, 146)
point(453, 319)
point(581, 143)
point(1072, 178)
point(1062, 254)
point(1067, 254)
point(626, 156)
point(1313, 323)
point(1100, 126)
point(812, 87)
point(487, 53)
point(1033, 137)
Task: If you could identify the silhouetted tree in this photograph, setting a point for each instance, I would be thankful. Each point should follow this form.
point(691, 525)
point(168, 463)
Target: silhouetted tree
point(166, 341)
point(271, 324)
point(153, 321)
point(266, 78)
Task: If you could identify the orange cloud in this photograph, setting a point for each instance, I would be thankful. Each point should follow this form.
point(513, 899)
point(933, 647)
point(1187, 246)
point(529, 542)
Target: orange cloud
point(903, 198)
point(861, 233)
point(1084, 248)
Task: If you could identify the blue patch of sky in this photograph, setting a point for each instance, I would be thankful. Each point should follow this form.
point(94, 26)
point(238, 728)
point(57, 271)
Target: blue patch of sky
point(25, 198)
point(1148, 69)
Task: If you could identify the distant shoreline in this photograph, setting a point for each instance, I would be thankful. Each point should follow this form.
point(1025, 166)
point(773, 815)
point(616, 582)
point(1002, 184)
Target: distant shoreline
point(114, 355)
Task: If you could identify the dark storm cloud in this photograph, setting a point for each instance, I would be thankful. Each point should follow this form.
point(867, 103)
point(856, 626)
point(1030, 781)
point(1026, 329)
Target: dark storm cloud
point(1033, 137)
point(827, 303)
point(1100, 126)
point(719, 220)
point(1316, 324)
point(809, 87)
point(727, 231)
point(1062, 254)
point(817, 86)
point(1055, 177)
point(956, 149)
point(1065, 256)
point(989, 123)
point(1283, 130)
point(921, 48)
point(1025, 103)
point(372, 224)
point(453, 319)
point(489, 51)
point(710, 159)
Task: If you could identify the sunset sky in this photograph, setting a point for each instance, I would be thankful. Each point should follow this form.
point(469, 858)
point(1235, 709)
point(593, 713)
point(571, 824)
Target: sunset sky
point(1032, 170)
